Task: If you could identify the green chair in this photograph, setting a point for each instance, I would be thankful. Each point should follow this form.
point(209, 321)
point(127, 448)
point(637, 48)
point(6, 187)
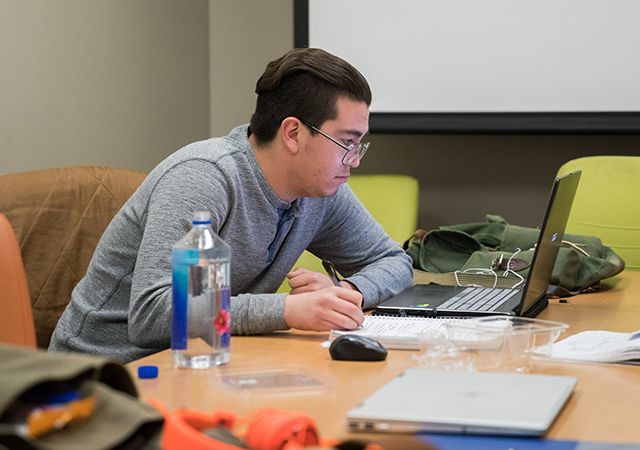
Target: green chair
point(607, 204)
point(391, 199)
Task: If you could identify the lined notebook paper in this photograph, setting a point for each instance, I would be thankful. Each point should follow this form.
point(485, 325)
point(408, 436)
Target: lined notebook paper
point(396, 332)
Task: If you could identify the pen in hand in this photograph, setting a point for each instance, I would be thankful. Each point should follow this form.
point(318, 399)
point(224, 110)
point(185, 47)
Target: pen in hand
point(331, 271)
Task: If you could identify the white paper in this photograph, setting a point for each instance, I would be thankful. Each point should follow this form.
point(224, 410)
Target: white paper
point(600, 346)
point(396, 332)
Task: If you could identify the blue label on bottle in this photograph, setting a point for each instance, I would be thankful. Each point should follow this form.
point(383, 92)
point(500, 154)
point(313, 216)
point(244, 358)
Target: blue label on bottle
point(181, 260)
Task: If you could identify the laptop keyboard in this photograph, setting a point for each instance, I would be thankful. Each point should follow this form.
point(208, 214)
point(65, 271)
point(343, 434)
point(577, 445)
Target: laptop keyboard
point(478, 299)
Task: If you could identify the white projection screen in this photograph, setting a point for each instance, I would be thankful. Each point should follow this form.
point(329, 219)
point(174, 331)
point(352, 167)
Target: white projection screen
point(547, 66)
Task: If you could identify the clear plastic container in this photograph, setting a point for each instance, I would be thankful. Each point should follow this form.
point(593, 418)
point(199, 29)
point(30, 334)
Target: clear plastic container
point(283, 380)
point(490, 343)
point(525, 338)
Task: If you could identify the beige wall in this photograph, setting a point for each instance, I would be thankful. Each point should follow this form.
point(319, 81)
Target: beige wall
point(118, 83)
point(245, 35)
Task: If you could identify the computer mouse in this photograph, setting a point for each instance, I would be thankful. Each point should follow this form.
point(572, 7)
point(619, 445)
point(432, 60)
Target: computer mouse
point(354, 347)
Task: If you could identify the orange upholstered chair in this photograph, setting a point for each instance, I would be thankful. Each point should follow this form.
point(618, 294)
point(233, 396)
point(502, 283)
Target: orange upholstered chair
point(16, 318)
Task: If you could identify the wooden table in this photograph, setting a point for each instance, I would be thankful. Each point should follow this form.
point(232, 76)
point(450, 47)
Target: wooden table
point(604, 406)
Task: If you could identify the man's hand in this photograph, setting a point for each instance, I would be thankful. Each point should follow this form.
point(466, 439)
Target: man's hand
point(303, 280)
point(332, 308)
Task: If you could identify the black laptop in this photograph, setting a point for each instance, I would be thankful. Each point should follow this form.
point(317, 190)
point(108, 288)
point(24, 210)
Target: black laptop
point(434, 300)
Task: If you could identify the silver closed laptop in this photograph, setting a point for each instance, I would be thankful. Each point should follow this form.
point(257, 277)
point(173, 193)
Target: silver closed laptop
point(464, 402)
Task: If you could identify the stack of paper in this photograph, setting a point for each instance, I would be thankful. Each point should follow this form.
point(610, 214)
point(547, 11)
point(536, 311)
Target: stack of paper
point(600, 346)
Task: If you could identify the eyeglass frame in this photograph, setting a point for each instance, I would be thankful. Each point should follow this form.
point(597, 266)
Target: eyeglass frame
point(355, 149)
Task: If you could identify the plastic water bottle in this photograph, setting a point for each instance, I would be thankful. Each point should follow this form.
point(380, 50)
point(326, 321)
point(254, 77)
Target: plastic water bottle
point(201, 313)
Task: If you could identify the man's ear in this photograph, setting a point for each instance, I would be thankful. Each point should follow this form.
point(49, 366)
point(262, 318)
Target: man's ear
point(290, 133)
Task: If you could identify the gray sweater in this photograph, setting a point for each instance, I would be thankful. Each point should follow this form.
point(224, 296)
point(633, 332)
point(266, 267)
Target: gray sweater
point(122, 307)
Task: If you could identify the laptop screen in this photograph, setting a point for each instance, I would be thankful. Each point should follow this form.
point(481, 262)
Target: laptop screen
point(550, 240)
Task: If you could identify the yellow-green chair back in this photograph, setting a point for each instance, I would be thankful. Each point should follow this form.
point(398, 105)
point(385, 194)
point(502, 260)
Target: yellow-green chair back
point(391, 199)
point(607, 203)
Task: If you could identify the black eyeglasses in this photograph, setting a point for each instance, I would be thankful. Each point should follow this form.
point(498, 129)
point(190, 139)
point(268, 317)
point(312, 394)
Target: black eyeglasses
point(352, 150)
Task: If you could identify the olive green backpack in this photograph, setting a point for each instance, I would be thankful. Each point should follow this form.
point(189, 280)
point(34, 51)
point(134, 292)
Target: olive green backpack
point(479, 254)
point(119, 419)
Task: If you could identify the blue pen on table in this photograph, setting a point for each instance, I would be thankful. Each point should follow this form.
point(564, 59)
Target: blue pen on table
point(331, 271)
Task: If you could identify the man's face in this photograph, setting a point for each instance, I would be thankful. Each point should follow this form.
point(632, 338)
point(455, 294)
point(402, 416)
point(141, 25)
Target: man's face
point(323, 171)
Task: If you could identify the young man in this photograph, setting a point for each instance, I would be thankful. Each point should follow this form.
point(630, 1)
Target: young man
point(274, 189)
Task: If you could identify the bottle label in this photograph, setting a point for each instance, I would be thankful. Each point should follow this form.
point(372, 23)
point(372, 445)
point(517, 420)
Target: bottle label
point(182, 259)
point(201, 301)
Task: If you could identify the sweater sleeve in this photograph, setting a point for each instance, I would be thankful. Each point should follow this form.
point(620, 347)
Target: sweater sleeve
point(361, 250)
point(182, 189)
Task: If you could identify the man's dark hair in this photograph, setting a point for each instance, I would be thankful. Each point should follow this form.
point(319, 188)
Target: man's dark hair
point(304, 83)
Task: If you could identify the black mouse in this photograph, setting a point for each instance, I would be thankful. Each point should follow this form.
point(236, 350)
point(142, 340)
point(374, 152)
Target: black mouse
point(353, 347)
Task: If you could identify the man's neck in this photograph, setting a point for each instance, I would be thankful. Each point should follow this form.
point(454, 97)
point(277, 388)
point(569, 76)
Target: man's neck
point(274, 168)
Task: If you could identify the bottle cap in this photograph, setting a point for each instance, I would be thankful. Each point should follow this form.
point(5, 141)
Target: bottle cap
point(148, 372)
point(201, 217)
